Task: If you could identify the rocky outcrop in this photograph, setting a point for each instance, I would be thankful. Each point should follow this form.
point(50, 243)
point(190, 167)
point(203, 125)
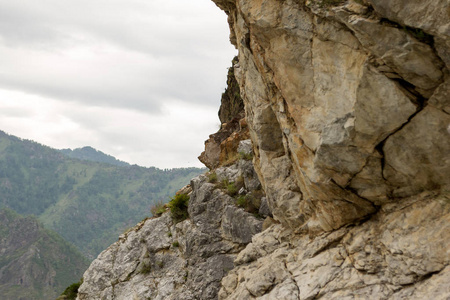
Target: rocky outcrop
point(400, 253)
point(221, 147)
point(231, 104)
point(339, 99)
point(347, 104)
point(348, 109)
point(161, 259)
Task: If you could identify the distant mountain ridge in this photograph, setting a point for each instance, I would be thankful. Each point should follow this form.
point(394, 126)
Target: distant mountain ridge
point(91, 154)
point(35, 263)
point(88, 203)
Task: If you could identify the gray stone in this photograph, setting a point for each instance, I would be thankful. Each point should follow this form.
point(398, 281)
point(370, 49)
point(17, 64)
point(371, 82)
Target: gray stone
point(230, 173)
point(248, 173)
point(238, 226)
point(245, 147)
point(264, 209)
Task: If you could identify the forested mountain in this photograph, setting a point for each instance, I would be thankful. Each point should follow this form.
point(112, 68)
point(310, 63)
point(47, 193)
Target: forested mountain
point(35, 263)
point(88, 203)
point(89, 153)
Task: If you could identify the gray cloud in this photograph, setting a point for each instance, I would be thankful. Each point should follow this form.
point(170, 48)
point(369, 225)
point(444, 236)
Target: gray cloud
point(14, 112)
point(173, 43)
point(140, 80)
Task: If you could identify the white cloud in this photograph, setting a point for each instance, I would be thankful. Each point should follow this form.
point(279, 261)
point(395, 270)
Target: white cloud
point(173, 138)
point(139, 80)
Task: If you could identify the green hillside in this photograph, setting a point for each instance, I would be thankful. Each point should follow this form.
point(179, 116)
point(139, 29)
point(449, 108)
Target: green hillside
point(35, 263)
point(88, 203)
point(89, 153)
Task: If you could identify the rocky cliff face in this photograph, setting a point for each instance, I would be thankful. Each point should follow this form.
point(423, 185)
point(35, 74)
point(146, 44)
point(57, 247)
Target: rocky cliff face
point(347, 104)
point(162, 259)
point(221, 147)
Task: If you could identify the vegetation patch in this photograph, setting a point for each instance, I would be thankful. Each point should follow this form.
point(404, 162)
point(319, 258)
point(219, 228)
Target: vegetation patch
point(241, 201)
point(250, 202)
point(212, 177)
point(146, 268)
point(158, 208)
point(232, 188)
point(247, 203)
point(229, 187)
point(71, 292)
point(245, 156)
point(179, 207)
point(176, 244)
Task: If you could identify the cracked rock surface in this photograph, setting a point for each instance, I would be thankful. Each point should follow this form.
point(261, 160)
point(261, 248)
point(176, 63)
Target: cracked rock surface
point(346, 102)
point(400, 253)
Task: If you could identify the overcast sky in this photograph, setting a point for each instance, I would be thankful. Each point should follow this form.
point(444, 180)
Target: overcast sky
point(139, 79)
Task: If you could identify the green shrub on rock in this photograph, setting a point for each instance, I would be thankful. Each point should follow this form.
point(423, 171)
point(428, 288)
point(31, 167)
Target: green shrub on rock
point(251, 201)
point(231, 189)
point(146, 268)
point(212, 177)
point(179, 207)
point(158, 209)
point(71, 292)
point(246, 156)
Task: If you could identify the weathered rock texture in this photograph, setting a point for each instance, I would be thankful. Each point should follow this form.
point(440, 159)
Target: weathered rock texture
point(347, 104)
point(221, 147)
point(158, 259)
point(231, 104)
point(400, 253)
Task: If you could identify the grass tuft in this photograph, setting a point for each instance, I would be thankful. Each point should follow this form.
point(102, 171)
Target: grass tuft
point(179, 207)
point(158, 208)
point(71, 291)
point(246, 156)
point(212, 177)
point(146, 268)
point(250, 202)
